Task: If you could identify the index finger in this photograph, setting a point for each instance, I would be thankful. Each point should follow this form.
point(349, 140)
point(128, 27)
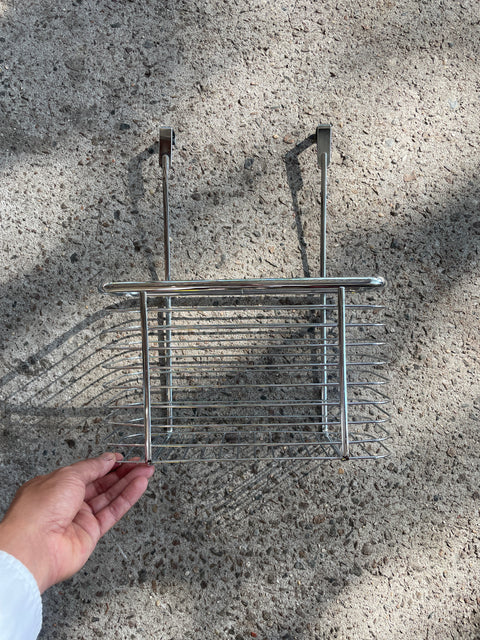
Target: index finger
point(104, 483)
point(93, 468)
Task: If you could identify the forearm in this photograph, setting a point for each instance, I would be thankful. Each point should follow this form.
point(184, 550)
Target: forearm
point(20, 601)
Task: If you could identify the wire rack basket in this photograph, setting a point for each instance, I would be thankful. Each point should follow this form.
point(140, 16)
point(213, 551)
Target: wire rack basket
point(247, 369)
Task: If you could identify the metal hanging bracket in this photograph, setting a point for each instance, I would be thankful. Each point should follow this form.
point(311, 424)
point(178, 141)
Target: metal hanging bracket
point(324, 142)
point(166, 143)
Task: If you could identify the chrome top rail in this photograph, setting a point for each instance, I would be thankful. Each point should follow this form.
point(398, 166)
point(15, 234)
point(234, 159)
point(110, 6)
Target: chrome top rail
point(277, 286)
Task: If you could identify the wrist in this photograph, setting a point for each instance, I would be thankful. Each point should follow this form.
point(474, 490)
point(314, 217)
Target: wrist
point(21, 546)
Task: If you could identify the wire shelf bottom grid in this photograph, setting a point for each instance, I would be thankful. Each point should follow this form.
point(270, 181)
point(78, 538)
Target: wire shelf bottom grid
point(215, 445)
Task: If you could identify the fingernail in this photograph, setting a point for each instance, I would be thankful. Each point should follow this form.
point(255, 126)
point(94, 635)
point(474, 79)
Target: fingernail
point(108, 456)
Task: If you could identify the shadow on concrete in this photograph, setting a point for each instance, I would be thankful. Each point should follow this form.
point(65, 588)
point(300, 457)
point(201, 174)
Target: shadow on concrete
point(215, 500)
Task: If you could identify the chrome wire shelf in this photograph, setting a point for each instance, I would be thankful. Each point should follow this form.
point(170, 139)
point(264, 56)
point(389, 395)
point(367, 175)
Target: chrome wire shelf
point(256, 369)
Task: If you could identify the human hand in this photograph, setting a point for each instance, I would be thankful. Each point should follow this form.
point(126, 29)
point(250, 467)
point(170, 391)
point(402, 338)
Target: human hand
point(56, 520)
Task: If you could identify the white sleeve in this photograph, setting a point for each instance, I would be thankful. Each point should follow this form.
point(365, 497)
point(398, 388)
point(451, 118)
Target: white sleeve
point(20, 601)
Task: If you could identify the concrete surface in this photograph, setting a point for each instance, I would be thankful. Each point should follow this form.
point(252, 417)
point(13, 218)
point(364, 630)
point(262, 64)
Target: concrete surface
point(304, 551)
